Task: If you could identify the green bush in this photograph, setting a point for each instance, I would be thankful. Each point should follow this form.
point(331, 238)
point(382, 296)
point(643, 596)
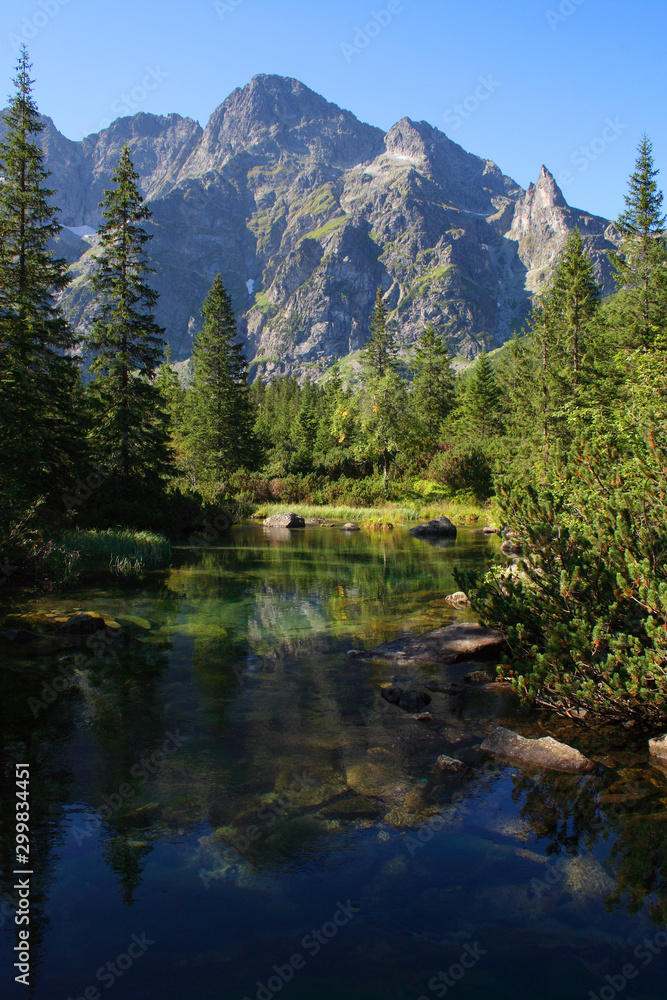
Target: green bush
point(461, 469)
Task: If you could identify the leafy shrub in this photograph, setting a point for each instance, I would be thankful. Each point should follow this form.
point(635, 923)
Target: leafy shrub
point(463, 470)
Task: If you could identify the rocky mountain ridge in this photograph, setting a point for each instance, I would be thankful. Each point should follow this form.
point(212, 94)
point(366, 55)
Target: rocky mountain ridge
point(305, 211)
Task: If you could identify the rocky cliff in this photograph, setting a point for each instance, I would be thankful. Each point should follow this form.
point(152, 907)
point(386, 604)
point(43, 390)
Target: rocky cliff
point(306, 211)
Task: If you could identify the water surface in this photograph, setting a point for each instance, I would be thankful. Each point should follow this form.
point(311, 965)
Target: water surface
point(221, 781)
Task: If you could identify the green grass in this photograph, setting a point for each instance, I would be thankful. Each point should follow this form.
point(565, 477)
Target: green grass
point(120, 552)
point(459, 511)
point(324, 230)
point(422, 284)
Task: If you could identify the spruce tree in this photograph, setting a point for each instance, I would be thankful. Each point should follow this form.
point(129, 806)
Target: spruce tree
point(559, 340)
point(305, 426)
point(433, 388)
point(379, 356)
point(335, 441)
point(573, 300)
point(384, 402)
point(641, 265)
point(39, 378)
point(480, 406)
point(130, 426)
point(219, 428)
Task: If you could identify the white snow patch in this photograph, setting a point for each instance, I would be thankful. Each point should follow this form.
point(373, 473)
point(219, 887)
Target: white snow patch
point(250, 284)
point(402, 156)
point(81, 230)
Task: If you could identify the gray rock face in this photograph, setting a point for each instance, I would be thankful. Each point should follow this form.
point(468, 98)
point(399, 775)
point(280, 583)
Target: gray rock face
point(306, 211)
point(439, 527)
point(545, 752)
point(288, 520)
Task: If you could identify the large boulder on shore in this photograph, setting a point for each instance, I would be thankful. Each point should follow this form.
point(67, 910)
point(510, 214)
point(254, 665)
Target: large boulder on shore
point(449, 644)
point(288, 520)
point(439, 527)
point(545, 752)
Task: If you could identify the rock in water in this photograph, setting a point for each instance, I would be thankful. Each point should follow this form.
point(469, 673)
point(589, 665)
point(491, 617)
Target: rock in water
point(84, 623)
point(449, 644)
point(350, 527)
point(288, 520)
point(458, 599)
point(658, 749)
point(450, 765)
point(19, 636)
point(478, 677)
point(411, 701)
point(439, 527)
point(544, 752)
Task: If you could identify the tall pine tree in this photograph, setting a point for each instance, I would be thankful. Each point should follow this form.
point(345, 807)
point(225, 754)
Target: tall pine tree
point(39, 377)
point(219, 434)
point(641, 266)
point(433, 389)
point(559, 340)
point(480, 404)
point(383, 405)
point(130, 423)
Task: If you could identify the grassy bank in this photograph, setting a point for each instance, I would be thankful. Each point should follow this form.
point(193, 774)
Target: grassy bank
point(119, 552)
point(460, 512)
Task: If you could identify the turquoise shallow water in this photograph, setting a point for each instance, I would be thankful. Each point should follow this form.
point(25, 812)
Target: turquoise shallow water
point(222, 799)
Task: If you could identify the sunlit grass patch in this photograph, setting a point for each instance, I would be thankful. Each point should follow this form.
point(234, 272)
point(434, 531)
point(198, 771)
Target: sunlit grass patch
point(460, 511)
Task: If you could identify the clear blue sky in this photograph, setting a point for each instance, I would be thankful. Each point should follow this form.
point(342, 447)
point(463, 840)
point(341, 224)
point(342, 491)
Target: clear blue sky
point(557, 71)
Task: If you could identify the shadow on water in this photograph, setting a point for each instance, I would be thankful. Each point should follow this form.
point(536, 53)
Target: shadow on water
point(220, 776)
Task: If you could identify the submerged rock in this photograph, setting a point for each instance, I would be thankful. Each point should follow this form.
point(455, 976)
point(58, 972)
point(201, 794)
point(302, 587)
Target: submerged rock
point(510, 548)
point(445, 688)
point(439, 527)
point(450, 765)
point(411, 701)
point(544, 752)
point(85, 623)
point(19, 636)
point(351, 808)
point(288, 520)
point(478, 677)
point(658, 749)
point(448, 644)
point(423, 717)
